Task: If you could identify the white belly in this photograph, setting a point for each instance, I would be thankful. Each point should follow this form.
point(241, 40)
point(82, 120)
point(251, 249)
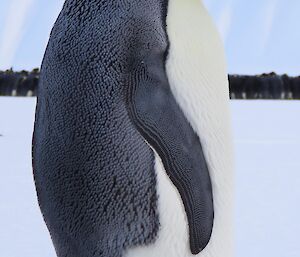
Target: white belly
point(197, 75)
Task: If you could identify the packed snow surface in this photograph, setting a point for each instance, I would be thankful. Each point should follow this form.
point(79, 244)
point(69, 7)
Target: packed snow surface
point(267, 146)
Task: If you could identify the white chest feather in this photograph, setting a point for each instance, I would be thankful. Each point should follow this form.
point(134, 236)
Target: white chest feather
point(197, 75)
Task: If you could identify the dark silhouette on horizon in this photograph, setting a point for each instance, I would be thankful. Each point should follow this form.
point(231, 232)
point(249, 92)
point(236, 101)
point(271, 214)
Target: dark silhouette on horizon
point(264, 86)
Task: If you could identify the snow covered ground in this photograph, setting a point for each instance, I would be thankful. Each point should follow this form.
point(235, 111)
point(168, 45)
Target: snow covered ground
point(267, 144)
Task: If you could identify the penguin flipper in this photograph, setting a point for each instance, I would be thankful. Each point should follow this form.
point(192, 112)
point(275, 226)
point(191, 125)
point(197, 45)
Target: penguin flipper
point(161, 122)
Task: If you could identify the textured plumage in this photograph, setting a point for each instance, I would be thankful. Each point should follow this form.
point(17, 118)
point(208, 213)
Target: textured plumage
point(128, 89)
point(197, 75)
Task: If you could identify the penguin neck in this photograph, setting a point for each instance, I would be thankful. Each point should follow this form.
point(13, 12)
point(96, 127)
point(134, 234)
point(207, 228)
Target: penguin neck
point(76, 4)
point(84, 2)
point(99, 3)
point(85, 9)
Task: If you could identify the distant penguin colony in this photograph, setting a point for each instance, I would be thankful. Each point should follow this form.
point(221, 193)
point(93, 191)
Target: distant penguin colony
point(264, 86)
point(132, 153)
point(21, 83)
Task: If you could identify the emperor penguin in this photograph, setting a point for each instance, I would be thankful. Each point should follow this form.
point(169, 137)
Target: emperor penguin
point(132, 152)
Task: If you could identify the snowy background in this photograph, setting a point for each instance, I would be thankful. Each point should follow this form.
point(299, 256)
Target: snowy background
point(267, 140)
